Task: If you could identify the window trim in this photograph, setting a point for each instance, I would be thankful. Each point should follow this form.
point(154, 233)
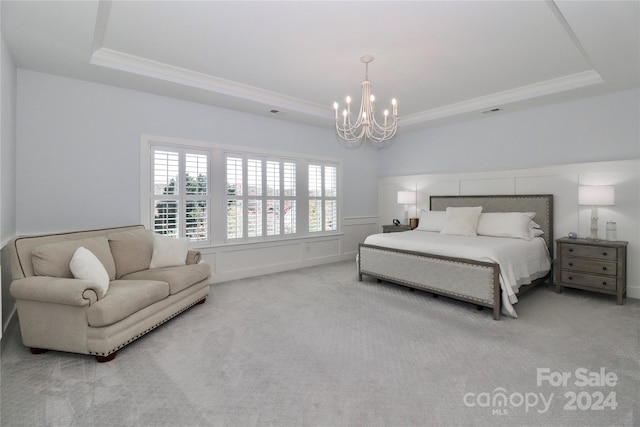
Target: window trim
point(217, 180)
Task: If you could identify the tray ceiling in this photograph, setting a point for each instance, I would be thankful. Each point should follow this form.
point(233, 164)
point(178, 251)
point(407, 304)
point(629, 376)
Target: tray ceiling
point(443, 61)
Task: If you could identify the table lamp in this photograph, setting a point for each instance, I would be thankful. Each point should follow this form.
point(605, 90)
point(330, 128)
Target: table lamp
point(594, 196)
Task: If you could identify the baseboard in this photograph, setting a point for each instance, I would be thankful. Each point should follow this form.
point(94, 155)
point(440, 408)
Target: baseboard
point(7, 327)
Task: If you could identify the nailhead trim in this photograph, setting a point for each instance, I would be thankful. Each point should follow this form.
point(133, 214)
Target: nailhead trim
point(148, 330)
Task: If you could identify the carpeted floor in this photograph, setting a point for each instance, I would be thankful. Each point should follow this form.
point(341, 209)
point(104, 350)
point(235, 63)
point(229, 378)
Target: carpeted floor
point(315, 347)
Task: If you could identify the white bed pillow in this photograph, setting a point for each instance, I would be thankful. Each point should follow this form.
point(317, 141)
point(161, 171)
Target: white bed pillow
point(461, 221)
point(431, 220)
point(517, 225)
point(536, 232)
point(86, 266)
point(169, 251)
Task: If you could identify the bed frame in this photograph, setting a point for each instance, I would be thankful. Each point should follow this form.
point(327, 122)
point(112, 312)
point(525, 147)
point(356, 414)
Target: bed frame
point(461, 279)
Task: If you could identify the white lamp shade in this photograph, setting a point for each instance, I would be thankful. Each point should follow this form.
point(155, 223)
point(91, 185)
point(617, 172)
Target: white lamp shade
point(596, 195)
point(406, 197)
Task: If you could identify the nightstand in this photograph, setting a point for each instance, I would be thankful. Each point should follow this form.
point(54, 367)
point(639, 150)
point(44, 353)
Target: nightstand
point(395, 228)
point(592, 265)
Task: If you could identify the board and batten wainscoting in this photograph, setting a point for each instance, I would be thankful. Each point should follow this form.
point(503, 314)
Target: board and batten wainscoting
point(237, 261)
point(562, 181)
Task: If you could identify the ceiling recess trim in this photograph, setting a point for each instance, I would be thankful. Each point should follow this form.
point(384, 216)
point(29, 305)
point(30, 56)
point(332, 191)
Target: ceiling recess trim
point(121, 61)
point(523, 93)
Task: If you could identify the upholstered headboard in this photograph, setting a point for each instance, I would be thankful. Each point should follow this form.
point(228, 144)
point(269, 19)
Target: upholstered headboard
point(541, 204)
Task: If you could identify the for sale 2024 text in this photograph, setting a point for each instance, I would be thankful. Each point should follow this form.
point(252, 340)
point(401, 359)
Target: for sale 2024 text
point(582, 377)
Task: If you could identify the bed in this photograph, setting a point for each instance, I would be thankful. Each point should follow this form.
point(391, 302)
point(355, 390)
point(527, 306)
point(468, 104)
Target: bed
point(474, 269)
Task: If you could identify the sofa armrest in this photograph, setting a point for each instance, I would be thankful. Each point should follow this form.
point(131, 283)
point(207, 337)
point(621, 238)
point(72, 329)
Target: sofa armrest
point(193, 257)
point(55, 290)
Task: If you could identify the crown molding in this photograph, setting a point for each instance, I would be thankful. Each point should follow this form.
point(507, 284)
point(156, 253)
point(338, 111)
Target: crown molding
point(121, 61)
point(523, 93)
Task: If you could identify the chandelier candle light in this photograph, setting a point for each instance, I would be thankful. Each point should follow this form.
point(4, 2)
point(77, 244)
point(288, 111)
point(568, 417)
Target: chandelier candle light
point(366, 128)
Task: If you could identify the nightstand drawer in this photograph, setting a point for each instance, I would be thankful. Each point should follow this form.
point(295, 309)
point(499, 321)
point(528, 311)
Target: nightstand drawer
point(589, 280)
point(589, 266)
point(598, 252)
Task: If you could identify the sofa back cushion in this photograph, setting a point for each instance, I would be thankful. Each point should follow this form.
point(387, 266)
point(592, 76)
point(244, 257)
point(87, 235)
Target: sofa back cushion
point(131, 250)
point(53, 259)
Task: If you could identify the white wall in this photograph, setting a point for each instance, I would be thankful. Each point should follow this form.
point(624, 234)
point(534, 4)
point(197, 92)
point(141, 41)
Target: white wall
point(78, 153)
point(588, 130)
point(561, 181)
point(7, 171)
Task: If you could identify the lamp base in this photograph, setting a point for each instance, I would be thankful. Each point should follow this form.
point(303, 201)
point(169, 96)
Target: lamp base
point(594, 224)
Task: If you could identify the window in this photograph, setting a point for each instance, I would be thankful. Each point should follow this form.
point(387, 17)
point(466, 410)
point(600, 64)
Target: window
point(181, 196)
point(323, 198)
point(224, 194)
point(266, 204)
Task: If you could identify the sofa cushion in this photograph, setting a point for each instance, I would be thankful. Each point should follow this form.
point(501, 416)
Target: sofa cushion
point(169, 251)
point(131, 250)
point(124, 298)
point(179, 277)
point(53, 259)
point(86, 266)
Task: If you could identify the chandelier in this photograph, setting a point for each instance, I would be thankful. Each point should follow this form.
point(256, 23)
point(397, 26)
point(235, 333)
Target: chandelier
point(366, 127)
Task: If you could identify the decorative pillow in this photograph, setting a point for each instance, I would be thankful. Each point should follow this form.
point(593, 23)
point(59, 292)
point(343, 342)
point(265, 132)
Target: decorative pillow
point(517, 225)
point(461, 221)
point(85, 265)
point(431, 220)
point(52, 259)
point(169, 251)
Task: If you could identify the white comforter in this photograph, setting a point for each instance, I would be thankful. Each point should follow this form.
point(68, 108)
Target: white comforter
point(521, 261)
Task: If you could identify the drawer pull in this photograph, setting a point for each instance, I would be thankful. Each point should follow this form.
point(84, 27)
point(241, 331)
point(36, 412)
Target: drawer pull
point(570, 277)
point(570, 249)
point(604, 268)
point(570, 264)
point(604, 283)
point(604, 254)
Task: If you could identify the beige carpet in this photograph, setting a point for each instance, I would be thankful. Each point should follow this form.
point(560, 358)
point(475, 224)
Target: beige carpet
point(315, 347)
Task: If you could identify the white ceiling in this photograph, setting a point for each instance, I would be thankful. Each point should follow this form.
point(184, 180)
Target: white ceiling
point(442, 60)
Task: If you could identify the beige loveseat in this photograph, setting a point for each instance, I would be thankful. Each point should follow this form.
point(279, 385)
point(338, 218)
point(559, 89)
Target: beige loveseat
point(59, 312)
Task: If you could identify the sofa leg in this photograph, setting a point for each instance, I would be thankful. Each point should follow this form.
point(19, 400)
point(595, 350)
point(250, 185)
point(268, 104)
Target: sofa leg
point(202, 301)
point(37, 350)
point(108, 358)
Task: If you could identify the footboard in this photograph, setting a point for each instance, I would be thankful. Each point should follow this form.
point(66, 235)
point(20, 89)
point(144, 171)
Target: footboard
point(466, 280)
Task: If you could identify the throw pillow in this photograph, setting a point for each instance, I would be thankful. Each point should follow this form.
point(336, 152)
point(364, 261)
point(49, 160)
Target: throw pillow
point(85, 265)
point(169, 251)
point(461, 221)
point(431, 220)
point(516, 225)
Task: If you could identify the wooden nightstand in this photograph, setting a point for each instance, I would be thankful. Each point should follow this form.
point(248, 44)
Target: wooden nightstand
point(395, 228)
point(592, 265)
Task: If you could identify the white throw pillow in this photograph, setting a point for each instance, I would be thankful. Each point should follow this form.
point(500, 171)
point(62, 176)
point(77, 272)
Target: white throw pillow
point(461, 221)
point(516, 225)
point(431, 220)
point(85, 265)
point(169, 251)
